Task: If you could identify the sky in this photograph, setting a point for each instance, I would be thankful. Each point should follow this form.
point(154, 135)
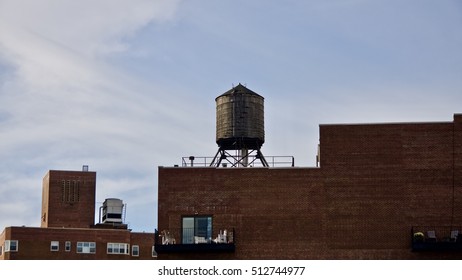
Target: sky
point(130, 85)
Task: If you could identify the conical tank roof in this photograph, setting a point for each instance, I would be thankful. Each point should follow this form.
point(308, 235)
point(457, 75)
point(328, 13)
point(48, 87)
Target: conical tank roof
point(239, 89)
point(240, 119)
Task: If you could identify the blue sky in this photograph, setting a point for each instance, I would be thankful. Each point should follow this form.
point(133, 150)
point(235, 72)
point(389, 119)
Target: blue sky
point(127, 86)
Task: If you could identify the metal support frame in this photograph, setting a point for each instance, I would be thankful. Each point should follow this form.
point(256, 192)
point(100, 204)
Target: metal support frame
point(238, 160)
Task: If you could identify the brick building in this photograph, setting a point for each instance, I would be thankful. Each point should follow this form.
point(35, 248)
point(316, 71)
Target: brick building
point(68, 230)
point(381, 191)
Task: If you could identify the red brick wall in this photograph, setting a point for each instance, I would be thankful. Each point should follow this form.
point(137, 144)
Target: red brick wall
point(34, 243)
point(272, 211)
point(458, 166)
point(375, 183)
point(59, 213)
point(380, 180)
point(145, 241)
point(64, 219)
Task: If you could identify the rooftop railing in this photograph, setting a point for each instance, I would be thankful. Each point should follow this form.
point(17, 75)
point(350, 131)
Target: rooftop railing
point(273, 161)
point(436, 238)
point(190, 239)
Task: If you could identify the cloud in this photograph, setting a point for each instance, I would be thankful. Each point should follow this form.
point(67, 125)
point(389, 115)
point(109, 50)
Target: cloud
point(89, 27)
point(126, 86)
point(64, 104)
point(59, 47)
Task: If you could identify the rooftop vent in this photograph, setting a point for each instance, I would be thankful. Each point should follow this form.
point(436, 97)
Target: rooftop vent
point(113, 210)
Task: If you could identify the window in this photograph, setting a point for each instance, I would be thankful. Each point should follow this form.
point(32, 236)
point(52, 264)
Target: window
point(117, 248)
point(86, 247)
point(1, 250)
point(11, 246)
point(54, 246)
point(135, 251)
point(197, 229)
point(67, 246)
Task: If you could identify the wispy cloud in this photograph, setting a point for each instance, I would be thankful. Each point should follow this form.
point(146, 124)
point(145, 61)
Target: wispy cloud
point(126, 86)
point(64, 105)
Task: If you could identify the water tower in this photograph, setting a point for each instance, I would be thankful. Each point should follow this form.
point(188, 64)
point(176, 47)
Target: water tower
point(240, 128)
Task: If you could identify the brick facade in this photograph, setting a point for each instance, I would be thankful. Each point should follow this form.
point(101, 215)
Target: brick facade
point(34, 243)
point(68, 215)
point(68, 199)
point(375, 183)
